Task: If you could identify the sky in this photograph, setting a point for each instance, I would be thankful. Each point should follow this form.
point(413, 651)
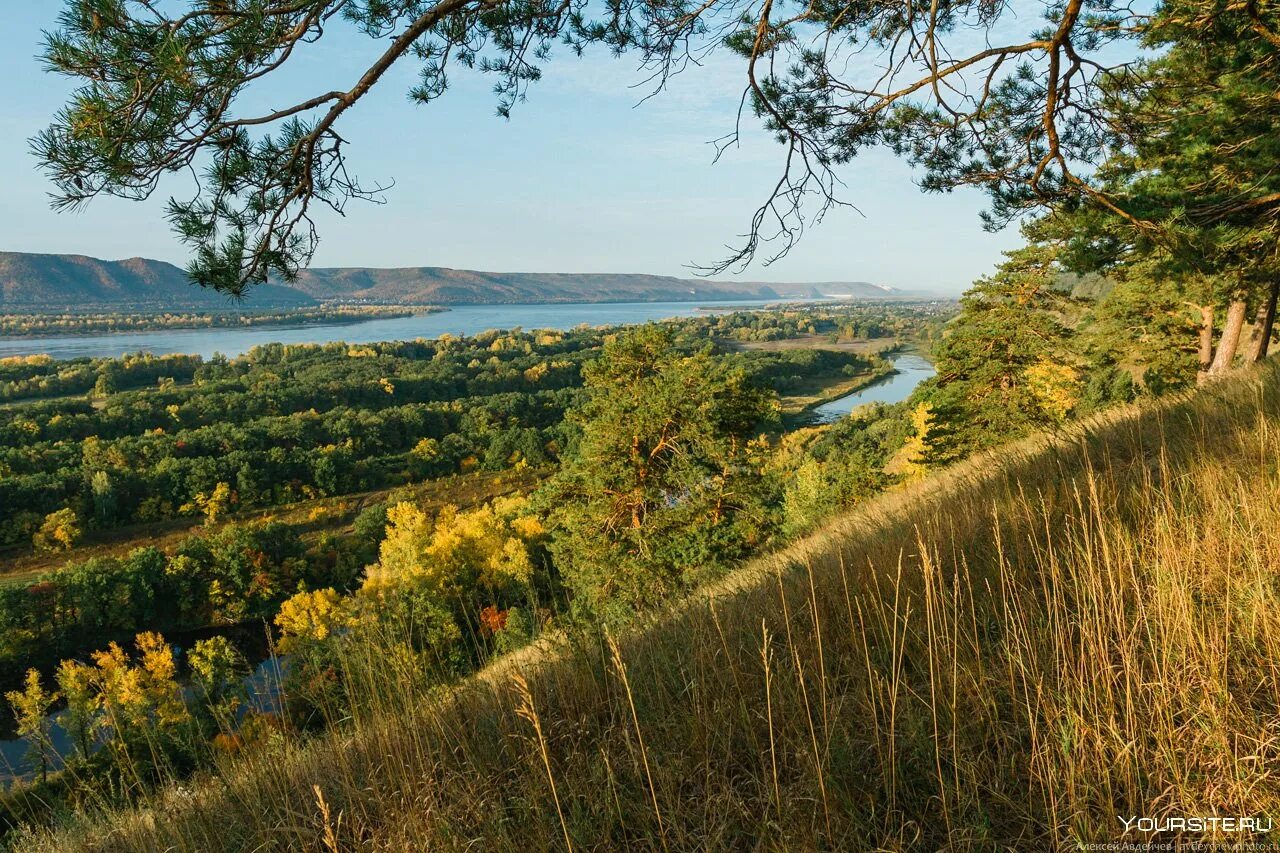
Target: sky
point(582, 178)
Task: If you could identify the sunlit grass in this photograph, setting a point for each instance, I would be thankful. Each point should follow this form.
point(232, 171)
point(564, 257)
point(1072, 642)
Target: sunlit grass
point(1009, 654)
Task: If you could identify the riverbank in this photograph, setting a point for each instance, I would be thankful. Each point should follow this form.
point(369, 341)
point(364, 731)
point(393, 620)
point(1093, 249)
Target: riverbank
point(313, 520)
point(909, 368)
point(25, 325)
point(797, 407)
point(457, 321)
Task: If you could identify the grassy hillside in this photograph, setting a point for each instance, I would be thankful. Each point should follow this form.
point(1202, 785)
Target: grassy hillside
point(1009, 654)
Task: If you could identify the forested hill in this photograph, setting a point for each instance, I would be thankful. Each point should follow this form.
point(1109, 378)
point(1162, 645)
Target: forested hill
point(444, 286)
point(59, 282)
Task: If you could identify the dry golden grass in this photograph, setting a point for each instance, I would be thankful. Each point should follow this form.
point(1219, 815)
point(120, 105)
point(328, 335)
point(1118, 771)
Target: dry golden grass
point(1004, 656)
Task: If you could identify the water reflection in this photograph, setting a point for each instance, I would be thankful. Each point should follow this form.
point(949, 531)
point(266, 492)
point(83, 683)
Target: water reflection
point(459, 320)
point(912, 369)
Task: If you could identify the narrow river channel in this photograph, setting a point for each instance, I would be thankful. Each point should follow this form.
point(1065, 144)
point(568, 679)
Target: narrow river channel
point(910, 370)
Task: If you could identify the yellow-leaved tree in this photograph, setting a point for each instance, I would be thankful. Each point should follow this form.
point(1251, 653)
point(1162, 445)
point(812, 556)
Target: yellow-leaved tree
point(1055, 386)
point(31, 706)
point(137, 707)
point(59, 532)
point(911, 461)
point(482, 550)
point(312, 616)
point(444, 573)
point(215, 505)
point(443, 589)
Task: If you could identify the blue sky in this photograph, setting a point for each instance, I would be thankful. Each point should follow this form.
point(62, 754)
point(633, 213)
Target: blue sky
point(580, 179)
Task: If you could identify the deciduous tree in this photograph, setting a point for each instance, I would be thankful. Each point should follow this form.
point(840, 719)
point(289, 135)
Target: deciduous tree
point(31, 706)
point(59, 532)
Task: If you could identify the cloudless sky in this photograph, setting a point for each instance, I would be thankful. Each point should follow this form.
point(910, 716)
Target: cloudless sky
point(582, 178)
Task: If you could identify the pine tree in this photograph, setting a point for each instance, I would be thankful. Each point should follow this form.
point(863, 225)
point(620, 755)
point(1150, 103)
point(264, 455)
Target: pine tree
point(1191, 191)
point(1006, 365)
point(662, 488)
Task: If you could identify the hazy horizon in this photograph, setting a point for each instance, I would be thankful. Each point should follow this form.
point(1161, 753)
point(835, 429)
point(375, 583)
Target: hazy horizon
point(686, 276)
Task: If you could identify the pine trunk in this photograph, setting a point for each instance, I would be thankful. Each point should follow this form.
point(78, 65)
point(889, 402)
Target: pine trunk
point(1230, 341)
point(1264, 323)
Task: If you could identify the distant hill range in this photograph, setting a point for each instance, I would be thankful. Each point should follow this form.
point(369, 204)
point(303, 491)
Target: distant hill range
point(444, 286)
point(76, 282)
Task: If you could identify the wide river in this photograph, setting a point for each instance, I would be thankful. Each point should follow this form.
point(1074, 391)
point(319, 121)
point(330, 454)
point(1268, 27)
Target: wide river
point(459, 320)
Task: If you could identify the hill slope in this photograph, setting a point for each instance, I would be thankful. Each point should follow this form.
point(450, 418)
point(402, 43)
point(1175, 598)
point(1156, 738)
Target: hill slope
point(58, 282)
point(444, 286)
point(1004, 656)
point(77, 282)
